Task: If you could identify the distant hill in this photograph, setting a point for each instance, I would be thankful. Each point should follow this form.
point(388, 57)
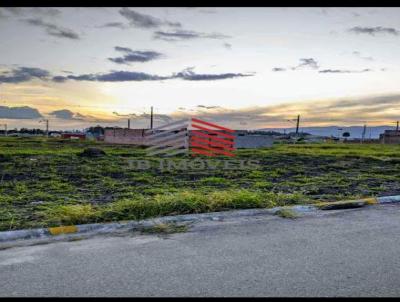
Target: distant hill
point(355, 131)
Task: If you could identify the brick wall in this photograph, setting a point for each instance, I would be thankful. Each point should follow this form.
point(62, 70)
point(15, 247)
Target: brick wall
point(125, 136)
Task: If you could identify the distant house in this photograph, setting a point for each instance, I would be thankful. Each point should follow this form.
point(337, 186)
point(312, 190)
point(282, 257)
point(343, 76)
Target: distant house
point(390, 137)
point(80, 136)
point(95, 133)
point(55, 134)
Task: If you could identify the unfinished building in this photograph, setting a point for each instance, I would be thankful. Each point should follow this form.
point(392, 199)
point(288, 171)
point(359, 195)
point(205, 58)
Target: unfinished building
point(390, 137)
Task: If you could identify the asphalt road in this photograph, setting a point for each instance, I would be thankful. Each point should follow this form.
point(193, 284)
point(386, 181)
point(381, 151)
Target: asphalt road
point(337, 253)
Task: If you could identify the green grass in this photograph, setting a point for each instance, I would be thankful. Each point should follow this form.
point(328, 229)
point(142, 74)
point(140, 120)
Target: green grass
point(46, 182)
point(286, 213)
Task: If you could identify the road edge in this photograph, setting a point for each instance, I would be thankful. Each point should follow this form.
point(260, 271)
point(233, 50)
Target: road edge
point(108, 228)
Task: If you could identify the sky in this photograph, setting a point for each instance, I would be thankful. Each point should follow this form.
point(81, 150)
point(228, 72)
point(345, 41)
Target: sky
point(246, 68)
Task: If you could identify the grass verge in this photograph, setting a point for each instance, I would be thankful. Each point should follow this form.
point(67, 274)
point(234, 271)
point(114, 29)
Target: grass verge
point(183, 202)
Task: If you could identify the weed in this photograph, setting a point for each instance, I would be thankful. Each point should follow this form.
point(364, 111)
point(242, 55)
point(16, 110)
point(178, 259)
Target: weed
point(56, 215)
point(165, 229)
point(286, 213)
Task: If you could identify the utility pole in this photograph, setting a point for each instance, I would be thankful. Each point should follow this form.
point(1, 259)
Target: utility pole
point(129, 123)
point(47, 127)
point(5, 125)
point(297, 124)
point(397, 127)
point(363, 133)
point(151, 118)
point(5, 129)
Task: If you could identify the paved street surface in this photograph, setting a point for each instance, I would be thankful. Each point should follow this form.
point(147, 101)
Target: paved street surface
point(335, 253)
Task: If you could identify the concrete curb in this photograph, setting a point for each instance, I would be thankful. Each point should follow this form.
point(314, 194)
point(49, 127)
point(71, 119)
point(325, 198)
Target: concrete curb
point(108, 228)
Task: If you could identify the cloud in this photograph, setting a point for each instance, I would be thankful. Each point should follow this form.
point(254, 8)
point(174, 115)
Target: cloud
point(145, 21)
point(358, 54)
point(54, 30)
point(40, 11)
point(119, 25)
point(23, 74)
point(311, 63)
point(59, 79)
point(157, 117)
point(307, 63)
point(374, 30)
point(208, 107)
point(124, 76)
point(24, 112)
point(278, 69)
point(134, 56)
point(124, 115)
point(388, 100)
point(189, 75)
point(123, 49)
point(327, 112)
point(201, 9)
point(66, 114)
point(227, 45)
point(342, 111)
point(344, 71)
point(179, 35)
point(113, 76)
point(13, 10)
point(145, 116)
point(46, 11)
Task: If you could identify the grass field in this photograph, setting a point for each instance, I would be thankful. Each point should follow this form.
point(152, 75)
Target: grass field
point(46, 182)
